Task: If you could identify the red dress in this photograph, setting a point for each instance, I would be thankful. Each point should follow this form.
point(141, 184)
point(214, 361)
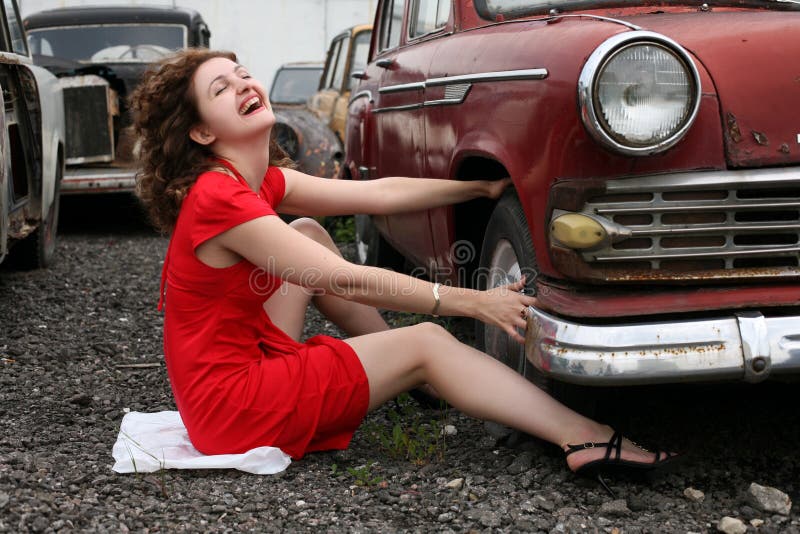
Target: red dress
point(239, 381)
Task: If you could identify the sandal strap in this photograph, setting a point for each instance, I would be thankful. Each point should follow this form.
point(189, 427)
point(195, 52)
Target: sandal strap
point(615, 443)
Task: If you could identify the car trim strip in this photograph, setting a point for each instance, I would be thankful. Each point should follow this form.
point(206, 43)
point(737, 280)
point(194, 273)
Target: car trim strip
point(416, 86)
point(453, 94)
point(596, 17)
point(362, 94)
point(457, 89)
point(497, 76)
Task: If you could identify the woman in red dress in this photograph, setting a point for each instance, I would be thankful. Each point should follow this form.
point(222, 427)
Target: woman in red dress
point(237, 281)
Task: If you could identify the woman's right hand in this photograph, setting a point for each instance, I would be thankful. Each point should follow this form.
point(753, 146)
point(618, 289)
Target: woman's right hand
point(507, 308)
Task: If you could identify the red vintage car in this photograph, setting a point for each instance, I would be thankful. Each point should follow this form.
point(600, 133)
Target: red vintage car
point(654, 149)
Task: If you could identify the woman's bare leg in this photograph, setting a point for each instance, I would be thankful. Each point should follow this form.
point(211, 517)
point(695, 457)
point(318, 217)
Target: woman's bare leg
point(287, 307)
point(475, 384)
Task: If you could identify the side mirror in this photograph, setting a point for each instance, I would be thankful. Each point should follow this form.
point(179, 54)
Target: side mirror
point(359, 74)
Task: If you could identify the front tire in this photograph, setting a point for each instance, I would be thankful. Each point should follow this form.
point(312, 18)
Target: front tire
point(508, 253)
point(36, 251)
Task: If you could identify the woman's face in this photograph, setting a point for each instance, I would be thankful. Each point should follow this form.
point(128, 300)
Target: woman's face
point(232, 105)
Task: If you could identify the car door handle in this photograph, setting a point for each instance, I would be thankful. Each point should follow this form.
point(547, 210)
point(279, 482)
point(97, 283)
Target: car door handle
point(385, 63)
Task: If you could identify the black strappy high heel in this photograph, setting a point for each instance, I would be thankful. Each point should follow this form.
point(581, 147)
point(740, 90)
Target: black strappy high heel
point(616, 465)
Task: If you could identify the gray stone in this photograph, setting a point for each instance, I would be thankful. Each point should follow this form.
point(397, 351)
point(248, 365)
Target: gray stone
point(540, 502)
point(614, 508)
point(694, 495)
point(455, 484)
point(521, 463)
point(769, 499)
point(490, 519)
point(731, 525)
point(445, 517)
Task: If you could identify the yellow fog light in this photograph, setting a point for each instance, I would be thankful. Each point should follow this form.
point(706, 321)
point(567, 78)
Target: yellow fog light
point(577, 231)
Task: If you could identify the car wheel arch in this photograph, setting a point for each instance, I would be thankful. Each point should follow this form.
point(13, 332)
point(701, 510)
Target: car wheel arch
point(471, 218)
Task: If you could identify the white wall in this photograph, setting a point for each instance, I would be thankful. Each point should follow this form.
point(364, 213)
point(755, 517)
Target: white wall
point(263, 33)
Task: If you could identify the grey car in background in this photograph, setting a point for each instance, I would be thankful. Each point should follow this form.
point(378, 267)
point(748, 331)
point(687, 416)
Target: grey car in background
point(308, 140)
point(99, 55)
point(31, 149)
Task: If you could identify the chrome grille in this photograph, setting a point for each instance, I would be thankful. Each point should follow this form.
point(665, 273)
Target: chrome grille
point(703, 221)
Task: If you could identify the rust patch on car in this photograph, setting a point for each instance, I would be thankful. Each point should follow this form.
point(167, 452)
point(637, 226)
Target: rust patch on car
point(784, 148)
point(761, 138)
point(733, 128)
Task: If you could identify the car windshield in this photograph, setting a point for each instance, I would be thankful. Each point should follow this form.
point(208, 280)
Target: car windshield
point(133, 43)
point(295, 86)
point(492, 9)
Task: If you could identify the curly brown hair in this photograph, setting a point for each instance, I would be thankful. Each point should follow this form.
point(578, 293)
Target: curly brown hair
point(164, 111)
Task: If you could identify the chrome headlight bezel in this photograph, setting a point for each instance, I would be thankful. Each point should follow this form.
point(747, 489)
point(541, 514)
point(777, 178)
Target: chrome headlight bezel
point(587, 91)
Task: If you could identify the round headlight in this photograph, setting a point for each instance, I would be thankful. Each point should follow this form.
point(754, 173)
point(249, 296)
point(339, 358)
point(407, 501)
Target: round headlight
point(639, 93)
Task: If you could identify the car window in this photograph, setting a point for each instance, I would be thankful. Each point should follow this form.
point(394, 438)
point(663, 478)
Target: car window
point(391, 24)
point(117, 42)
point(330, 67)
point(341, 64)
point(428, 16)
point(18, 44)
point(294, 86)
point(360, 51)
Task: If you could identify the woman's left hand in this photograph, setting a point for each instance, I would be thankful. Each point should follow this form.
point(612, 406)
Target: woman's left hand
point(507, 308)
point(496, 187)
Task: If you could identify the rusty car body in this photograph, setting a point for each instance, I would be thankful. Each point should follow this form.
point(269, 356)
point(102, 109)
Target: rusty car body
point(344, 64)
point(654, 149)
point(31, 148)
point(99, 55)
point(306, 139)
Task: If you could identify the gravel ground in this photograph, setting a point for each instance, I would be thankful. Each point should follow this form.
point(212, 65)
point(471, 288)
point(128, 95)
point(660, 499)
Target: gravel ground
point(69, 334)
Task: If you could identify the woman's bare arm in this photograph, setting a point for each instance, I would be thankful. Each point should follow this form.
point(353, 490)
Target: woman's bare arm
point(309, 195)
point(271, 244)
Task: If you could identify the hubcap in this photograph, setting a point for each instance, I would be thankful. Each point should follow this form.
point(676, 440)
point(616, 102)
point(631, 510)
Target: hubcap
point(504, 269)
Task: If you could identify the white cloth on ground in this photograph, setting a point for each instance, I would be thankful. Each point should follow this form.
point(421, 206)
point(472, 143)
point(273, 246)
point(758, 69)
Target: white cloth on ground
point(148, 442)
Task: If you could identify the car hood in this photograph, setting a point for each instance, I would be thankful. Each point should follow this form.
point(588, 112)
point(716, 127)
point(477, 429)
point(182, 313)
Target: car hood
point(753, 58)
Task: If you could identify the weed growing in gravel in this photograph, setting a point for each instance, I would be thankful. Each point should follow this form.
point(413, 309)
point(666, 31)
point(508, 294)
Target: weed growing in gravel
point(411, 434)
point(161, 482)
point(342, 229)
point(363, 475)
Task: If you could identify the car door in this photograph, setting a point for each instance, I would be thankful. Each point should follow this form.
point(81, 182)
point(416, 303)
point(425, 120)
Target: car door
point(324, 101)
point(400, 128)
point(356, 61)
point(19, 158)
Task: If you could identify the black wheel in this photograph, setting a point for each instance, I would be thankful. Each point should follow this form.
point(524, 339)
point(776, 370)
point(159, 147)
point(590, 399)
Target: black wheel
point(507, 253)
point(36, 251)
point(372, 248)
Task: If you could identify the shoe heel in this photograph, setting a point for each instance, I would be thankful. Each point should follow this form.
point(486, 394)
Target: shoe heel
point(605, 486)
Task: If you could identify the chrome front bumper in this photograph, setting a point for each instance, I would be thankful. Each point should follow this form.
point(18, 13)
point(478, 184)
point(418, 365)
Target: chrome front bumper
point(746, 346)
point(98, 180)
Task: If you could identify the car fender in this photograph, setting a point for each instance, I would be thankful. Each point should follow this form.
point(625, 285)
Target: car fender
point(481, 144)
point(53, 130)
point(318, 149)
